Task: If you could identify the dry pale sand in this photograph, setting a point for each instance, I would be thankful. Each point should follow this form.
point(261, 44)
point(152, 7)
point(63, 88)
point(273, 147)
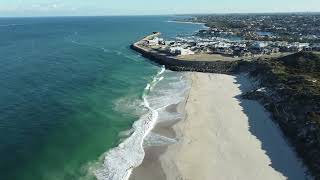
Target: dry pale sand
point(227, 138)
point(223, 137)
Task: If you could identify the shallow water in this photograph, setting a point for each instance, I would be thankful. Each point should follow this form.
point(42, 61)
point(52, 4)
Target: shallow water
point(69, 86)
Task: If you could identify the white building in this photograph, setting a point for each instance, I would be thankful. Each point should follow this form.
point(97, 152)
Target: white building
point(303, 45)
point(153, 42)
point(180, 51)
point(186, 52)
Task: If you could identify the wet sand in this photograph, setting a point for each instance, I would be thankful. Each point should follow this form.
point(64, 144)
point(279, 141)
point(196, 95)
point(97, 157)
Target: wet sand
point(222, 137)
point(151, 167)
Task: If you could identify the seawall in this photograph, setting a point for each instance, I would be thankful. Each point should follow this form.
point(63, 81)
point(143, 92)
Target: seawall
point(223, 67)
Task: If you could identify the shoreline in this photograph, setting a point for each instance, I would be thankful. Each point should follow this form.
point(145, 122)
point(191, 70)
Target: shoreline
point(119, 162)
point(152, 165)
point(295, 125)
point(231, 134)
point(175, 64)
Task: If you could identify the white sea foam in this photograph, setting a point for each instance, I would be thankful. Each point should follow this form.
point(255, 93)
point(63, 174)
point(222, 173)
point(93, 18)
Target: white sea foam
point(73, 41)
point(148, 87)
point(162, 70)
point(106, 50)
point(119, 162)
point(8, 25)
point(153, 139)
point(129, 105)
point(135, 58)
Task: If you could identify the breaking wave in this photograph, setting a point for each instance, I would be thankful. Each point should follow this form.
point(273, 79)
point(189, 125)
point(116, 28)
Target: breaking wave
point(119, 162)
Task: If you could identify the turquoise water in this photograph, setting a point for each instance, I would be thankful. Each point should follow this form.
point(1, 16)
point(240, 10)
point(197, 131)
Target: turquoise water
point(68, 87)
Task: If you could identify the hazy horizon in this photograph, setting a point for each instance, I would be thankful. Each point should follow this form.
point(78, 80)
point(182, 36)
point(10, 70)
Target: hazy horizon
point(37, 8)
point(133, 15)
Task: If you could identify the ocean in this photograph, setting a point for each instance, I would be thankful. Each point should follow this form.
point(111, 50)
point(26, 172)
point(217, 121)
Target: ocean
point(70, 91)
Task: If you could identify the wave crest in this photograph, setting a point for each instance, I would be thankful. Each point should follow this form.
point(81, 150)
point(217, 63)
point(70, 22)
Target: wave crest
point(119, 162)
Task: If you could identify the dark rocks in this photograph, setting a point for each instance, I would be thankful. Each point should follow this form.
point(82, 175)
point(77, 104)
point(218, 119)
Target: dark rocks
point(223, 67)
point(292, 95)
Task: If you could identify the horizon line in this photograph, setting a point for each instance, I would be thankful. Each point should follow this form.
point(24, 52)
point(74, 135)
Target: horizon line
point(177, 14)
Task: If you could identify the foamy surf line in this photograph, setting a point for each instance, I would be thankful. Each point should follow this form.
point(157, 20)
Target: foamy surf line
point(119, 162)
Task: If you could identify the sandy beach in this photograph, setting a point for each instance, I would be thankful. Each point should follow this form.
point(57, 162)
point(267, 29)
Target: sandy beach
point(222, 137)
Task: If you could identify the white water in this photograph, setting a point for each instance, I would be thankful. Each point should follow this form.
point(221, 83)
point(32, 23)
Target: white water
point(119, 162)
point(8, 25)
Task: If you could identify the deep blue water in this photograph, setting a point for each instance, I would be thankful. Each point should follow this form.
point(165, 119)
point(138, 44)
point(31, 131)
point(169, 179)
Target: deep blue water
point(60, 80)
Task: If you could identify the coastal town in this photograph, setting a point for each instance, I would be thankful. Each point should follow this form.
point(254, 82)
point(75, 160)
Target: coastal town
point(160, 90)
point(244, 36)
point(280, 52)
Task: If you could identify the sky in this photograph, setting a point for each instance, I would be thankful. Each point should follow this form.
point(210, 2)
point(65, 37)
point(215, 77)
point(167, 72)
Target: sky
point(150, 7)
